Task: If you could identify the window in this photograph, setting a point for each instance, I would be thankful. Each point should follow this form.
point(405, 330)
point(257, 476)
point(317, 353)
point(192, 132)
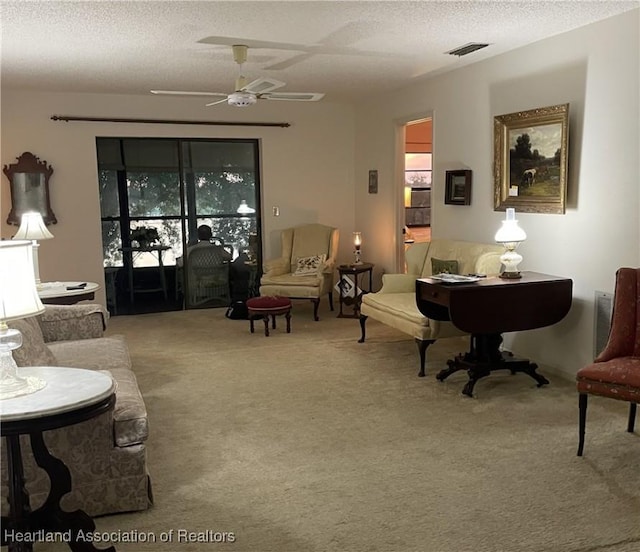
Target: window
point(175, 185)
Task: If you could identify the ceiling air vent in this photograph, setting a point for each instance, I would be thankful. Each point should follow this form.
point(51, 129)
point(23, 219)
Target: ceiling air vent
point(466, 49)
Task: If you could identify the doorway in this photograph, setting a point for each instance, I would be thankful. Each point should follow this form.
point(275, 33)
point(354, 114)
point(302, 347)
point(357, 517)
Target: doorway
point(418, 163)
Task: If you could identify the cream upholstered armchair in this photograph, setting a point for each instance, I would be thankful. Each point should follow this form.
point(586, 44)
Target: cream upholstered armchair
point(305, 269)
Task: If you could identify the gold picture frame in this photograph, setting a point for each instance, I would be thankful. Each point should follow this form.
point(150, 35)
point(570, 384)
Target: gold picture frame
point(530, 160)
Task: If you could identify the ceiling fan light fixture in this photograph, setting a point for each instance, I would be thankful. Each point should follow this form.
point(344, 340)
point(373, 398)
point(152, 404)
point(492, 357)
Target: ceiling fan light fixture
point(241, 99)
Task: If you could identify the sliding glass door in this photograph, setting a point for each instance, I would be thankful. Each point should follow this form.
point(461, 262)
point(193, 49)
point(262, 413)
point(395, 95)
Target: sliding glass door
point(169, 187)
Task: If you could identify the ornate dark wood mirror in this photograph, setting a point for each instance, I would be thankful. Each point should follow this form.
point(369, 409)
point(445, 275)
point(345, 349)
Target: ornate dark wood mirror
point(29, 181)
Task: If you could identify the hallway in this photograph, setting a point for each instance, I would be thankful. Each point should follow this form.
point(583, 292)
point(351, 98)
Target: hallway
point(418, 234)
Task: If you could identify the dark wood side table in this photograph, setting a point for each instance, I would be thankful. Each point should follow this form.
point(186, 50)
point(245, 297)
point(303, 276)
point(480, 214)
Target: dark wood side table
point(488, 308)
point(71, 395)
point(355, 270)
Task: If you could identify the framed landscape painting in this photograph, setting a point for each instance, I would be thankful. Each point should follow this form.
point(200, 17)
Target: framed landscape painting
point(530, 160)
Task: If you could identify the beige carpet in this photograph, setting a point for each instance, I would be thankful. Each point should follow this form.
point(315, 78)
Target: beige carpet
point(310, 441)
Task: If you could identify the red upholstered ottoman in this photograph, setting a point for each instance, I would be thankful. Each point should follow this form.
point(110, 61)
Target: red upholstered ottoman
point(265, 307)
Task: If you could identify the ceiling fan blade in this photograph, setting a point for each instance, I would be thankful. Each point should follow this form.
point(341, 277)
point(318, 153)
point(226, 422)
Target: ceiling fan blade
point(185, 93)
point(216, 103)
point(294, 96)
point(263, 85)
point(289, 62)
point(232, 41)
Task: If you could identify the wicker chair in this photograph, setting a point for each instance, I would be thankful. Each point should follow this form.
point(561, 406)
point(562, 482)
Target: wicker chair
point(207, 277)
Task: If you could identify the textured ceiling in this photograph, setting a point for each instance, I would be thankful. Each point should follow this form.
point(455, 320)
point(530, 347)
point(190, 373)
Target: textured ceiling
point(343, 49)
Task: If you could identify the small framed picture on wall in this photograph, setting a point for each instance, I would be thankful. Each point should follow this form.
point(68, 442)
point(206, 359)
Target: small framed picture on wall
point(458, 188)
point(373, 182)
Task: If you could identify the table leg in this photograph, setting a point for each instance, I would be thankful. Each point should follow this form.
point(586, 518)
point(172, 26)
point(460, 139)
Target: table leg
point(357, 297)
point(50, 516)
point(485, 357)
point(130, 277)
point(19, 509)
point(77, 527)
point(163, 278)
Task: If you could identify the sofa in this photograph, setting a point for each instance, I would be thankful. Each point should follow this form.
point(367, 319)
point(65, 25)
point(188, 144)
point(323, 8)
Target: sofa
point(395, 303)
point(106, 455)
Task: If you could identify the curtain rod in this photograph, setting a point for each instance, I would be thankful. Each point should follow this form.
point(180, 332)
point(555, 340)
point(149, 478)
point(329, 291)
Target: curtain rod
point(68, 118)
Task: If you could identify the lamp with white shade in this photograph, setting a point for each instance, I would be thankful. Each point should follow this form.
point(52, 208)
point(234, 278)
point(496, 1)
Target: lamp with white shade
point(18, 299)
point(244, 208)
point(32, 227)
point(510, 235)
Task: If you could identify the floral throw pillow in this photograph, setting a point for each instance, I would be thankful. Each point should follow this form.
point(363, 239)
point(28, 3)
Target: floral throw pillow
point(308, 266)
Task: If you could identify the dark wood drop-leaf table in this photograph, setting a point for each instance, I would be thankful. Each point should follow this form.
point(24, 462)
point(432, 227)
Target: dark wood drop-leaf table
point(490, 307)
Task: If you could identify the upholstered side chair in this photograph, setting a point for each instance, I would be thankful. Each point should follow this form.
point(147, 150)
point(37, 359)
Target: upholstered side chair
point(615, 373)
point(306, 266)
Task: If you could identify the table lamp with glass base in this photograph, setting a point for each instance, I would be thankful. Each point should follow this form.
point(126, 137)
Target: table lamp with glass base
point(357, 243)
point(18, 299)
point(510, 235)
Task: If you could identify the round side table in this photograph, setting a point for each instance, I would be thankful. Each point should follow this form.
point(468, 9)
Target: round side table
point(70, 396)
point(350, 293)
point(67, 293)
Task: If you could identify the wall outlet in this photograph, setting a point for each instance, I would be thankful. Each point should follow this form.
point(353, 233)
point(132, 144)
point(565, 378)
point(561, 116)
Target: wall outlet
point(276, 211)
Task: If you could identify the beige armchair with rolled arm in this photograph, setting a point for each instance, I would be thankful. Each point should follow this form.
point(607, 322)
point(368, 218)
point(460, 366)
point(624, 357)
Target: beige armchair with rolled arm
point(395, 304)
point(306, 266)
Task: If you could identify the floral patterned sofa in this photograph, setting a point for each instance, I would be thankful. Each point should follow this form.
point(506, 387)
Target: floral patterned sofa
point(106, 455)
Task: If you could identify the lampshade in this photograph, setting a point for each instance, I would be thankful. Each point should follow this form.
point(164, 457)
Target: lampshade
point(18, 295)
point(244, 209)
point(18, 299)
point(510, 235)
point(32, 227)
point(510, 231)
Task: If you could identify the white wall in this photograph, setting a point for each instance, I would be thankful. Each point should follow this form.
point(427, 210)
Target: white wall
point(307, 169)
point(596, 70)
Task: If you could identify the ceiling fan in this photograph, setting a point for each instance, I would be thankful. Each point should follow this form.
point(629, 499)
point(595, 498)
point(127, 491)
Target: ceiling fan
point(245, 94)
